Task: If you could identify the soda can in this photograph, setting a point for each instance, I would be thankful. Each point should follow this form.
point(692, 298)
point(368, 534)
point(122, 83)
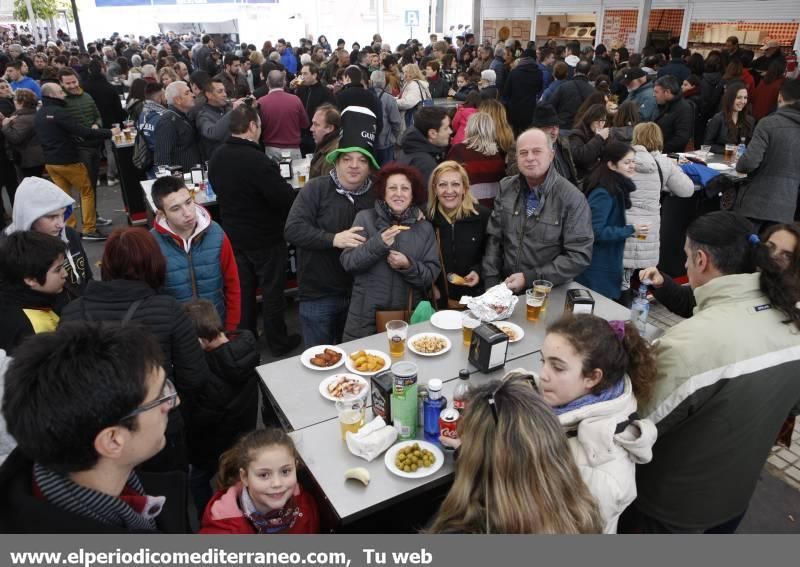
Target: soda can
point(448, 423)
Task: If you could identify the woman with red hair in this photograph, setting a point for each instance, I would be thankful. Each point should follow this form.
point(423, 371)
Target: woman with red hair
point(398, 261)
point(133, 271)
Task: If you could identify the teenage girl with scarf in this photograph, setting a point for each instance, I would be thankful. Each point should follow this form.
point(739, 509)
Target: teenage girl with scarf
point(593, 376)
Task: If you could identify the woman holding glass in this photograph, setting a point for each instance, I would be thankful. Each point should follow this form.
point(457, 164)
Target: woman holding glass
point(398, 260)
point(460, 226)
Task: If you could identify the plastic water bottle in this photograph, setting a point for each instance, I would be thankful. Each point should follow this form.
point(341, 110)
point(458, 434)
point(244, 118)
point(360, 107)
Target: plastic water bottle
point(432, 407)
point(210, 192)
point(640, 309)
point(740, 149)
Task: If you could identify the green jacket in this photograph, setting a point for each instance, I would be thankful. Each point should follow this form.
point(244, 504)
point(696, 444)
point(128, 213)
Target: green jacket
point(727, 379)
point(83, 109)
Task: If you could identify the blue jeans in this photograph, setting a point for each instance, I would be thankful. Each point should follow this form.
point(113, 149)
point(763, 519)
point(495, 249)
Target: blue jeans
point(323, 320)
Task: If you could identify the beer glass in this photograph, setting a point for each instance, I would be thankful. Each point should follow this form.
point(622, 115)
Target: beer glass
point(534, 300)
point(730, 152)
point(397, 332)
point(546, 287)
point(468, 324)
point(351, 415)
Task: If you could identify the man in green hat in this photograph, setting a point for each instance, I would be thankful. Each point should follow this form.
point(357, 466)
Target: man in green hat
point(320, 226)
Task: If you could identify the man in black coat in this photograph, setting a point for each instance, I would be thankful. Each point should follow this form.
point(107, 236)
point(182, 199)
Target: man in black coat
point(675, 115)
point(569, 96)
point(106, 406)
point(521, 90)
point(313, 94)
point(254, 202)
point(676, 67)
point(106, 99)
point(353, 93)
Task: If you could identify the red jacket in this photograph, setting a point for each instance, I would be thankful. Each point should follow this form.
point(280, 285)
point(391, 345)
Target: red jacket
point(224, 516)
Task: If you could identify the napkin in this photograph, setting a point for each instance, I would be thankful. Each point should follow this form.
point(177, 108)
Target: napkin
point(371, 440)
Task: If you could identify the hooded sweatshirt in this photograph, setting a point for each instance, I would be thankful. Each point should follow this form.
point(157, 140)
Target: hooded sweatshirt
point(37, 197)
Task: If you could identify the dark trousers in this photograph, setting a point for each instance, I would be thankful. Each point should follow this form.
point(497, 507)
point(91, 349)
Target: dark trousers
point(23, 172)
point(634, 521)
point(90, 157)
point(384, 155)
point(264, 268)
point(8, 179)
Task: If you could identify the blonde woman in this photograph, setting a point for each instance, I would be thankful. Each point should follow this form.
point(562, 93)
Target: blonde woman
point(460, 226)
point(415, 91)
point(481, 156)
point(502, 132)
point(515, 473)
point(166, 76)
point(655, 173)
point(256, 61)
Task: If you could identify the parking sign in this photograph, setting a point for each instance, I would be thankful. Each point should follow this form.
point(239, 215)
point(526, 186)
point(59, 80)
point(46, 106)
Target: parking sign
point(412, 18)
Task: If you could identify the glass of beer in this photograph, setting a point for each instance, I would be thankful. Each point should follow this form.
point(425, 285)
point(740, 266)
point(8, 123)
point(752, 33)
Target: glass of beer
point(351, 415)
point(468, 324)
point(397, 332)
point(642, 236)
point(730, 152)
point(543, 286)
point(534, 301)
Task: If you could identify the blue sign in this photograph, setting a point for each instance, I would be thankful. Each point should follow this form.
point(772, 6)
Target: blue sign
point(412, 18)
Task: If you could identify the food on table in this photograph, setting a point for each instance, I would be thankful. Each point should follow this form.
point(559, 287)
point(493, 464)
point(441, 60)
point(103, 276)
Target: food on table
point(455, 279)
point(365, 362)
point(403, 227)
point(345, 386)
point(411, 458)
point(429, 344)
point(358, 473)
point(326, 358)
point(511, 333)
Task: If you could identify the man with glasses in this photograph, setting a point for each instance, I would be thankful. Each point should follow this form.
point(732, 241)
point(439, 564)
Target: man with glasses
point(86, 409)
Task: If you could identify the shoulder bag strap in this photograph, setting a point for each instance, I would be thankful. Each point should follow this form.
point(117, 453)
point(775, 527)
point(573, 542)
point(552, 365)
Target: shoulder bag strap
point(441, 261)
point(660, 173)
point(129, 313)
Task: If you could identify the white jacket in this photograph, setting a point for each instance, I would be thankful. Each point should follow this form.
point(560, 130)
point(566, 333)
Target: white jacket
point(412, 94)
point(646, 207)
point(607, 459)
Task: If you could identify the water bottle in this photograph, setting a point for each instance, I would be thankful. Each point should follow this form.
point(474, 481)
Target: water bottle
point(432, 408)
point(640, 309)
point(210, 192)
point(740, 149)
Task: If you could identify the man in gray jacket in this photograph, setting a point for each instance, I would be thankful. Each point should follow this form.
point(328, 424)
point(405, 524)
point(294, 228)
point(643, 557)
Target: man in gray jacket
point(770, 196)
point(541, 225)
point(214, 117)
point(392, 123)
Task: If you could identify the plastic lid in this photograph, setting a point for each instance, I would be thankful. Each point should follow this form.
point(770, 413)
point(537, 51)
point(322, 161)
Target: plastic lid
point(463, 374)
point(434, 384)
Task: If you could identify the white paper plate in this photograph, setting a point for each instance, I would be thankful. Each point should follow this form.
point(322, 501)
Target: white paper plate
point(323, 387)
point(391, 453)
point(308, 354)
point(348, 362)
point(418, 336)
point(512, 326)
point(719, 166)
point(448, 320)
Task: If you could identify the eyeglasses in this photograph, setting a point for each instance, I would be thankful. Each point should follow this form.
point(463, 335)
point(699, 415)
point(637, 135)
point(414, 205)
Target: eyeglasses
point(168, 396)
point(490, 399)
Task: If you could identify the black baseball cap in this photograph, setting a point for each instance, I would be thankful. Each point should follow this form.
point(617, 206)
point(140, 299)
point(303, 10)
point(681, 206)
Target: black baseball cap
point(632, 74)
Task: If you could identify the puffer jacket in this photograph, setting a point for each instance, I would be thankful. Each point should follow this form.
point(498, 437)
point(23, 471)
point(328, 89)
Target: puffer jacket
point(771, 161)
point(376, 284)
point(676, 120)
point(21, 136)
point(651, 168)
point(414, 92)
point(555, 243)
point(646, 101)
point(606, 458)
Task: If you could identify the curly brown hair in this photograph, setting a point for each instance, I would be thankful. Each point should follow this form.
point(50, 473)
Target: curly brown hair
point(596, 342)
point(418, 192)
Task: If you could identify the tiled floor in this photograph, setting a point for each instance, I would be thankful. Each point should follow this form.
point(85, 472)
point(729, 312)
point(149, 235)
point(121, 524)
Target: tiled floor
point(782, 463)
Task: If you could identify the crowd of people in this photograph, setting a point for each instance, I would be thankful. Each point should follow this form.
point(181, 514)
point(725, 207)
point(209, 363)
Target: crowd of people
point(554, 165)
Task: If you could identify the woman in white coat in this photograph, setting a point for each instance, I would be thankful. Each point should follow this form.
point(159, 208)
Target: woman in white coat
point(415, 91)
point(593, 376)
point(655, 172)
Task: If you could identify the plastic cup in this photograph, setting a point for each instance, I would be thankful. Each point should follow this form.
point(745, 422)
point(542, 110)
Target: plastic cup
point(397, 332)
point(706, 151)
point(534, 301)
point(546, 287)
point(642, 236)
point(468, 324)
point(351, 415)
